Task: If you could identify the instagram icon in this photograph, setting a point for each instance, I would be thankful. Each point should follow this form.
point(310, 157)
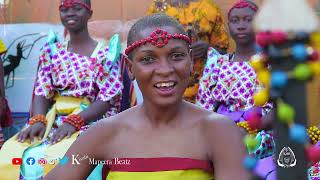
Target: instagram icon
point(42, 161)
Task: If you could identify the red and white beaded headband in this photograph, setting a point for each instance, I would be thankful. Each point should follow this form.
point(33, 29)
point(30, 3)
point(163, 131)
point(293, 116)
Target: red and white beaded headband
point(242, 4)
point(70, 3)
point(158, 38)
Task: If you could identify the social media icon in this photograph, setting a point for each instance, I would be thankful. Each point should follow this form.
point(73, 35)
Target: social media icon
point(16, 161)
point(31, 161)
point(42, 161)
point(64, 160)
point(52, 161)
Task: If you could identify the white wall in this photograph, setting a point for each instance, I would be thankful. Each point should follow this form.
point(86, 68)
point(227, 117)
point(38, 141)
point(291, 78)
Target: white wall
point(19, 96)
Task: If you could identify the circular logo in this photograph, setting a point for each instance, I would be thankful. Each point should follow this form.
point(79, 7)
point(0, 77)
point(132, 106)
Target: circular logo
point(42, 161)
point(30, 161)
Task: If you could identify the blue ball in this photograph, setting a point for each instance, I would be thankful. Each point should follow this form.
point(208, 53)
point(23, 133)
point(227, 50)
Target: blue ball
point(250, 162)
point(279, 79)
point(299, 52)
point(298, 134)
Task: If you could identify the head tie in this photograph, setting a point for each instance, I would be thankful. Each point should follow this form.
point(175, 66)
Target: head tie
point(158, 38)
point(242, 4)
point(70, 3)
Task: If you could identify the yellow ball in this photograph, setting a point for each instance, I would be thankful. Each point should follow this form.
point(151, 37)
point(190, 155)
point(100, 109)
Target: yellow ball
point(315, 38)
point(256, 62)
point(260, 98)
point(264, 76)
point(315, 68)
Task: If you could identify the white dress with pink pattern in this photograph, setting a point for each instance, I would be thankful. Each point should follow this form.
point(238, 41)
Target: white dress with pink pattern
point(70, 74)
point(229, 83)
point(227, 88)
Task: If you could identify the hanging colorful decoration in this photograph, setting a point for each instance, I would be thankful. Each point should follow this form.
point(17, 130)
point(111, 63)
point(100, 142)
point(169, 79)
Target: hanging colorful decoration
point(302, 48)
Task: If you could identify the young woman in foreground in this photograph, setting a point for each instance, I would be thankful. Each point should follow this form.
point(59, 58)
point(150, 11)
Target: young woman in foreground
point(165, 137)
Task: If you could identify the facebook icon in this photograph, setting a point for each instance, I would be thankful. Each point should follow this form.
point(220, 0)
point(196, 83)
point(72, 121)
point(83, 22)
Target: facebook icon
point(31, 161)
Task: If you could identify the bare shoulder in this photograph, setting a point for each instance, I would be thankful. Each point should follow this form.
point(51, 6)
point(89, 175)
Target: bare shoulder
point(110, 126)
point(213, 123)
point(225, 147)
point(215, 119)
point(99, 135)
point(217, 125)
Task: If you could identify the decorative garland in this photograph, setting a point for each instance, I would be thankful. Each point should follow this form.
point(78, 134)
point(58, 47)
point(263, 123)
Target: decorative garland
point(303, 48)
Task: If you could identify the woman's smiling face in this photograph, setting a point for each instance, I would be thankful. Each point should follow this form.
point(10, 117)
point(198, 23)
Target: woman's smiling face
point(162, 73)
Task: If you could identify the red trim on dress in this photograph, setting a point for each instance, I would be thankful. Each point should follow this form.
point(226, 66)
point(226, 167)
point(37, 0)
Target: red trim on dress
point(160, 164)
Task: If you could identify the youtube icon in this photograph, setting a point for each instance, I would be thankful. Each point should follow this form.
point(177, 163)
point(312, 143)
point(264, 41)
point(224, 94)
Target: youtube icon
point(16, 161)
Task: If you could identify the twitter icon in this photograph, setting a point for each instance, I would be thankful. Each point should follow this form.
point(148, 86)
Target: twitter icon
point(64, 161)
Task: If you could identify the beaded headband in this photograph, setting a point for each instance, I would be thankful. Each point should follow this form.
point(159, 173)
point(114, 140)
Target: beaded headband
point(242, 4)
point(70, 3)
point(158, 38)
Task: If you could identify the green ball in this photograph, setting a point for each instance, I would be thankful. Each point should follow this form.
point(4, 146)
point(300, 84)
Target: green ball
point(250, 142)
point(285, 113)
point(302, 72)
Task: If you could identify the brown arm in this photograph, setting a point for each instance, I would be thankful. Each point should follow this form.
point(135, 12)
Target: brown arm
point(40, 105)
point(226, 149)
point(96, 110)
point(92, 144)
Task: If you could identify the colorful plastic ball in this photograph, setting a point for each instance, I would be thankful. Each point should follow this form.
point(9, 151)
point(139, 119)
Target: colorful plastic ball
point(256, 62)
point(299, 52)
point(298, 134)
point(279, 79)
point(302, 72)
point(313, 54)
point(254, 119)
point(250, 163)
point(250, 142)
point(255, 123)
point(315, 38)
point(279, 37)
point(263, 39)
point(315, 67)
point(264, 77)
point(285, 113)
point(261, 97)
point(313, 154)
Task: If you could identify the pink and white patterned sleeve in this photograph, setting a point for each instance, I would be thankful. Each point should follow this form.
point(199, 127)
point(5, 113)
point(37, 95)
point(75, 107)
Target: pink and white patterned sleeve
point(43, 84)
point(109, 80)
point(209, 79)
